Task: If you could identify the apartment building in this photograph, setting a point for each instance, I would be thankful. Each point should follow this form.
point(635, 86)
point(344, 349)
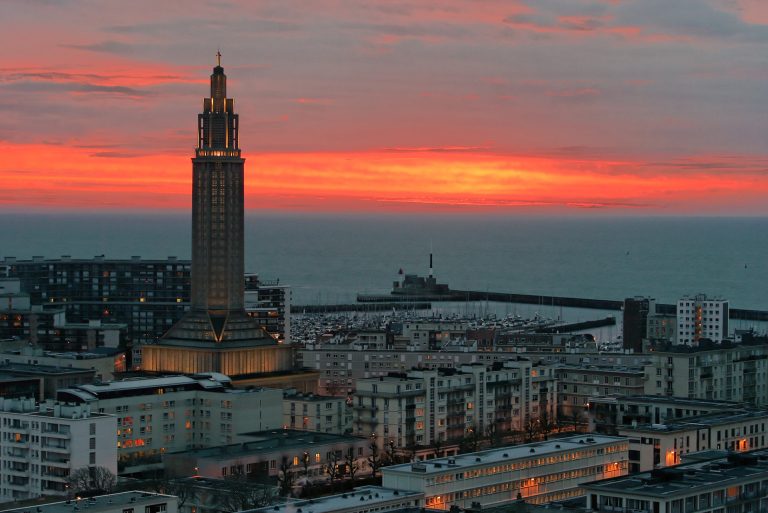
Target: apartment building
point(607, 414)
point(172, 413)
point(579, 384)
point(736, 484)
point(363, 499)
point(146, 295)
point(40, 444)
point(369, 355)
point(424, 407)
point(48, 327)
point(269, 303)
point(700, 317)
point(321, 413)
point(266, 454)
point(661, 445)
point(635, 321)
point(727, 372)
point(538, 473)
point(104, 363)
point(125, 502)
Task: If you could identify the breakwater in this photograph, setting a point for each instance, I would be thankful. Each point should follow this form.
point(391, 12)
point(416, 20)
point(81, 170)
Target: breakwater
point(534, 299)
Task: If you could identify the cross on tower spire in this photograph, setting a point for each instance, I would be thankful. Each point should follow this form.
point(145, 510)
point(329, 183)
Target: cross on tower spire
point(218, 57)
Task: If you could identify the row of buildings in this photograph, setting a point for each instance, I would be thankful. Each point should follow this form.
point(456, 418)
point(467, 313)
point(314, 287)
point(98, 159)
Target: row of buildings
point(73, 304)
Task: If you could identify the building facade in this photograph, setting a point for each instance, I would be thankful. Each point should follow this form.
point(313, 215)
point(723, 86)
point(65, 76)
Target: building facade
point(726, 373)
point(174, 413)
point(538, 473)
point(269, 453)
point(635, 325)
point(700, 317)
point(40, 445)
point(321, 413)
point(736, 484)
point(662, 445)
point(147, 296)
point(125, 502)
point(422, 408)
point(579, 384)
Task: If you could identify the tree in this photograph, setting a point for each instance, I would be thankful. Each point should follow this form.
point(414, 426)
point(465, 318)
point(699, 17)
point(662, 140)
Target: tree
point(332, 466)
point(374, 458)
point(471, 441)
point(305, 463)
point(238, 494)
point(183, 489)
point(438, 445)
point(91, 481)
point(531, 429)
point(285, 477)
point(546, 423)
point(391, 452)
point(577, 417)
point(493, 433)
point(352, 464)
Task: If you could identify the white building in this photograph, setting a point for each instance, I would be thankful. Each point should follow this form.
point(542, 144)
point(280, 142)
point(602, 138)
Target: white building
point(661, 445)
point(176, 413)
point(321, 413)
point(364, 499)
point(539, 472)
point(737, 373)
point(40, 445)
point(701, 317)
point(737, 484)
point(126, 502)
point(423, 407)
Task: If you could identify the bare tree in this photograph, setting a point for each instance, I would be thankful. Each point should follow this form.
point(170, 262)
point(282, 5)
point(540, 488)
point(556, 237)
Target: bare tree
point(577, 418)
point(332, 466)
point(352, 464)
point(286, 477)
point(305, 463)
point(438, 445)
point(391, 455)
point(546, 423)
point(182, 489)
point(238, 494)
point(531, 429)
point(374, 458)
point(493, 433)
point(91, 480)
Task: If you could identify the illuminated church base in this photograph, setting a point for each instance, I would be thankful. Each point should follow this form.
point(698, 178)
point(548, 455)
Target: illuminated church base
point(232, 361)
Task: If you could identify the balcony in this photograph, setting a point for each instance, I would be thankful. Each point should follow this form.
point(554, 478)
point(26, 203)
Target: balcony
point(18, 454)
point(55, 459)
point(56, 446)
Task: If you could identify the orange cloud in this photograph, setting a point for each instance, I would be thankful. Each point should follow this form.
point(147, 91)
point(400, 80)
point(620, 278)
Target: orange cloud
point(45, 176)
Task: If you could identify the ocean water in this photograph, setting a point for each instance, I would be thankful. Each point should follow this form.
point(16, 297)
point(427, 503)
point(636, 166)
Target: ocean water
point(330, 258)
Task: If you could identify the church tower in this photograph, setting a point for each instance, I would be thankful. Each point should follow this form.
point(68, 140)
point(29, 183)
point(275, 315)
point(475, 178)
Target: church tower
point(217, 335)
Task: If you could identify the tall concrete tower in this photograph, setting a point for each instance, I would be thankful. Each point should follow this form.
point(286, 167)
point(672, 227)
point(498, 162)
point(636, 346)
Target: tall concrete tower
point(216, 335)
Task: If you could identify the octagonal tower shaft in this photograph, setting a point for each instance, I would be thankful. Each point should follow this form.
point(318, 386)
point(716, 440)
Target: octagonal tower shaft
point(217, 207)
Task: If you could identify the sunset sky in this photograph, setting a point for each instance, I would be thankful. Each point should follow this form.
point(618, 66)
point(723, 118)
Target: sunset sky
point(619, 106)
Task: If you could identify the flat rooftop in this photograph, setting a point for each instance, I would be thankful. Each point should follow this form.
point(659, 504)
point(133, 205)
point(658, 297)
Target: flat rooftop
point(268, 441)
point(364, 496)
point(689, 478)
point(141, 386)
point(109, 502)
point(41, 370)
point(681, 401)
point(709, 420)
point(505, 454)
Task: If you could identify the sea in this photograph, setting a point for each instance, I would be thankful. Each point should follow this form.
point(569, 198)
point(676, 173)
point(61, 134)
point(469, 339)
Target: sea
point(329, 258)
